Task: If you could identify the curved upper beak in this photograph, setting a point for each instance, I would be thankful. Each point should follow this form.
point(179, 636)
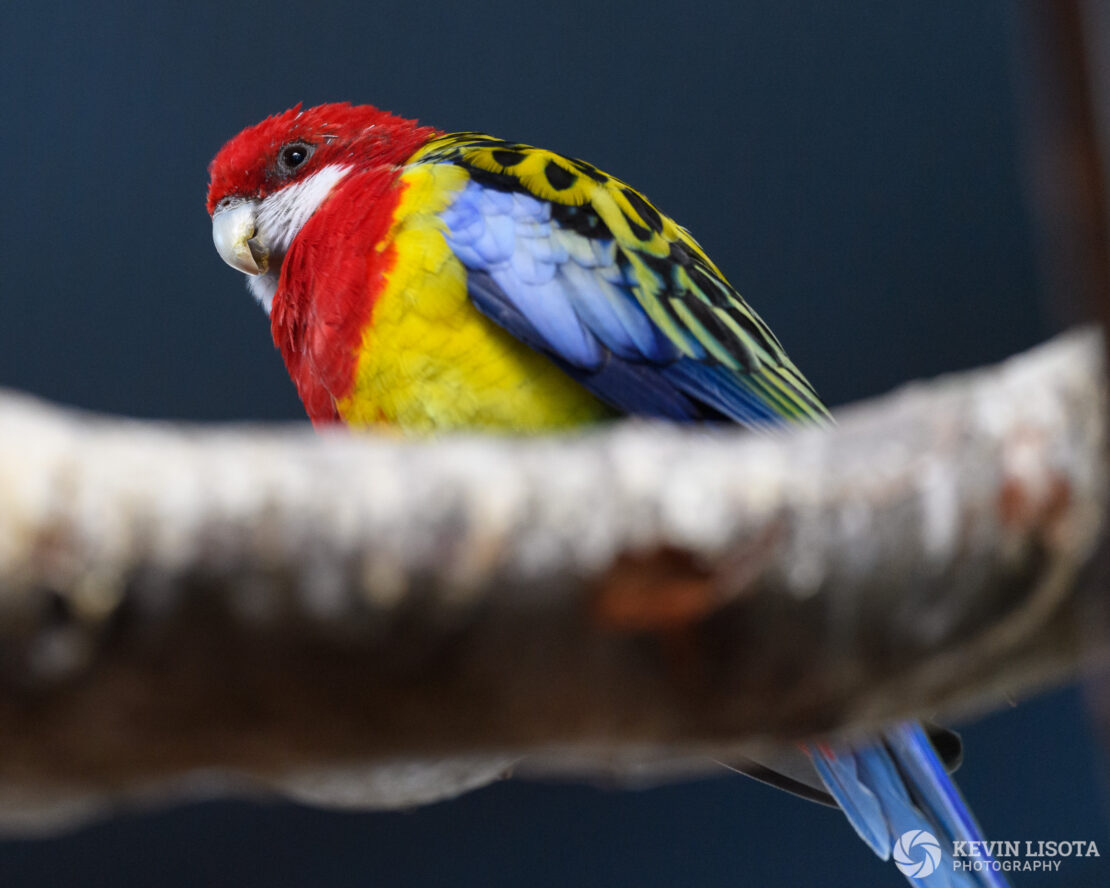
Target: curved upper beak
point(234, 234)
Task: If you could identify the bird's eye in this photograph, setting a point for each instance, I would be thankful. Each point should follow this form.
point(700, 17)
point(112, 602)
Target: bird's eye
point(293, 155)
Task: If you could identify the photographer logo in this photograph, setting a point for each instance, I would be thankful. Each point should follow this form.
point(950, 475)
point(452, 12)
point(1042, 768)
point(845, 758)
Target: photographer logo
point(917, 853)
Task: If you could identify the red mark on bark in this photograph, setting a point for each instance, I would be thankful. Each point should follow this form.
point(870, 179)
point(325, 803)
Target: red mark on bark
point(670, 589)
point(1023, 509)
point(656, 591)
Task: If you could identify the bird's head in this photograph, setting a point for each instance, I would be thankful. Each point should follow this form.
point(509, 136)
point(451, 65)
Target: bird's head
point(268, 181)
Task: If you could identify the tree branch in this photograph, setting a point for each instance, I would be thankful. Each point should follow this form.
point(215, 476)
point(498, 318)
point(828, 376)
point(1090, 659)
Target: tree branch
point(376, 621)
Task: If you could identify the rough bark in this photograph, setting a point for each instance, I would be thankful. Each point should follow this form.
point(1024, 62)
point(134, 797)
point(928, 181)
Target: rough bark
point(373, 621)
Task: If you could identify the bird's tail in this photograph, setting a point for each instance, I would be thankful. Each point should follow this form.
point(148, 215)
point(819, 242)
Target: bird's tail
point(900, 799)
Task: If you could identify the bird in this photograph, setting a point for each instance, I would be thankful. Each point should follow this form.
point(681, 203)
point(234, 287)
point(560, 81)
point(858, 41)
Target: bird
point(424, 282)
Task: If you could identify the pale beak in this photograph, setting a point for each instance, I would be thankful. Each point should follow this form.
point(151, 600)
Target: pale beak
point(233, 233)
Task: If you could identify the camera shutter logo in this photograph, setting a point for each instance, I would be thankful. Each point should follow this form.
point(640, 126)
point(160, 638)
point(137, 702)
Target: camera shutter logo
point(917, 853)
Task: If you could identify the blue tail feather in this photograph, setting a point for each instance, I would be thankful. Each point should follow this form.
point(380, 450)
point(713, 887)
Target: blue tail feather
point(840, 774)
point(899, 798)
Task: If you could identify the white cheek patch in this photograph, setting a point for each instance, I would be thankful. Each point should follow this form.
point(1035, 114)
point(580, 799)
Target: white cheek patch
point(264, 286)
point(281, 216)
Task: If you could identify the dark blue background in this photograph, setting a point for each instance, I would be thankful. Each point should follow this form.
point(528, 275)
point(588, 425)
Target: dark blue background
point(856, 171)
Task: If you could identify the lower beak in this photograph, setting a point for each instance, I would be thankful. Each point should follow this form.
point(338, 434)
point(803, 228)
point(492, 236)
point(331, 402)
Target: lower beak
point(234, 234)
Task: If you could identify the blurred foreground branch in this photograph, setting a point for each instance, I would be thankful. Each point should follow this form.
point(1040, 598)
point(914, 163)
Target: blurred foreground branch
point(377, 622)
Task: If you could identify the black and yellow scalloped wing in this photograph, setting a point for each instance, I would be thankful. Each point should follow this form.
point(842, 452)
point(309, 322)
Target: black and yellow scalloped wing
point(723, 356)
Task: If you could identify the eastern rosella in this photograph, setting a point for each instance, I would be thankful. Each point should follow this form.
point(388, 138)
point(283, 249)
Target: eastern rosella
point(433, 281)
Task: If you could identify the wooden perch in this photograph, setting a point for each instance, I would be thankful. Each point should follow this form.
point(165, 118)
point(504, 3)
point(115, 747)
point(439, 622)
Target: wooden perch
point(374, 621)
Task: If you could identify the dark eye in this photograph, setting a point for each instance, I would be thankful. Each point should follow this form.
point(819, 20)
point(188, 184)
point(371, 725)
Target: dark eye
point(293, 155)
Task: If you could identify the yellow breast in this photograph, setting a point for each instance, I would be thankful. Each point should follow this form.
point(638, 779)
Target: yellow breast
point(429, 360)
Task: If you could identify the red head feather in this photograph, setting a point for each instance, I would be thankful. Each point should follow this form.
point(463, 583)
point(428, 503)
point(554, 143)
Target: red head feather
point(355, 135)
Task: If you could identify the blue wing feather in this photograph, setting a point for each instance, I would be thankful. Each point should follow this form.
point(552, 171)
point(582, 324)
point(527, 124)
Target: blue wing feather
point(635, 388)
point(571, 297)
point(718, 386)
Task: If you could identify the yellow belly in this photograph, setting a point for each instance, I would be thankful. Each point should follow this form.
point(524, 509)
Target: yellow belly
point(430, 361)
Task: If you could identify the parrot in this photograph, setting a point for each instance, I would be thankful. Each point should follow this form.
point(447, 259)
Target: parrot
point(424, 281)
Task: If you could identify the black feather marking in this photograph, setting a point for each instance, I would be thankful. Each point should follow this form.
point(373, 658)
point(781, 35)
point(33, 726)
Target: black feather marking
point(507, 158)
point(679, 254)
point(498, 181)
point(662, 268)
point(560, 178)
point(581, 220)
point(638, 230)
point(716, 328)
point(487, 142)
point(710, 285)
point(744, 319)
point(645, 210)
point(590, 170)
